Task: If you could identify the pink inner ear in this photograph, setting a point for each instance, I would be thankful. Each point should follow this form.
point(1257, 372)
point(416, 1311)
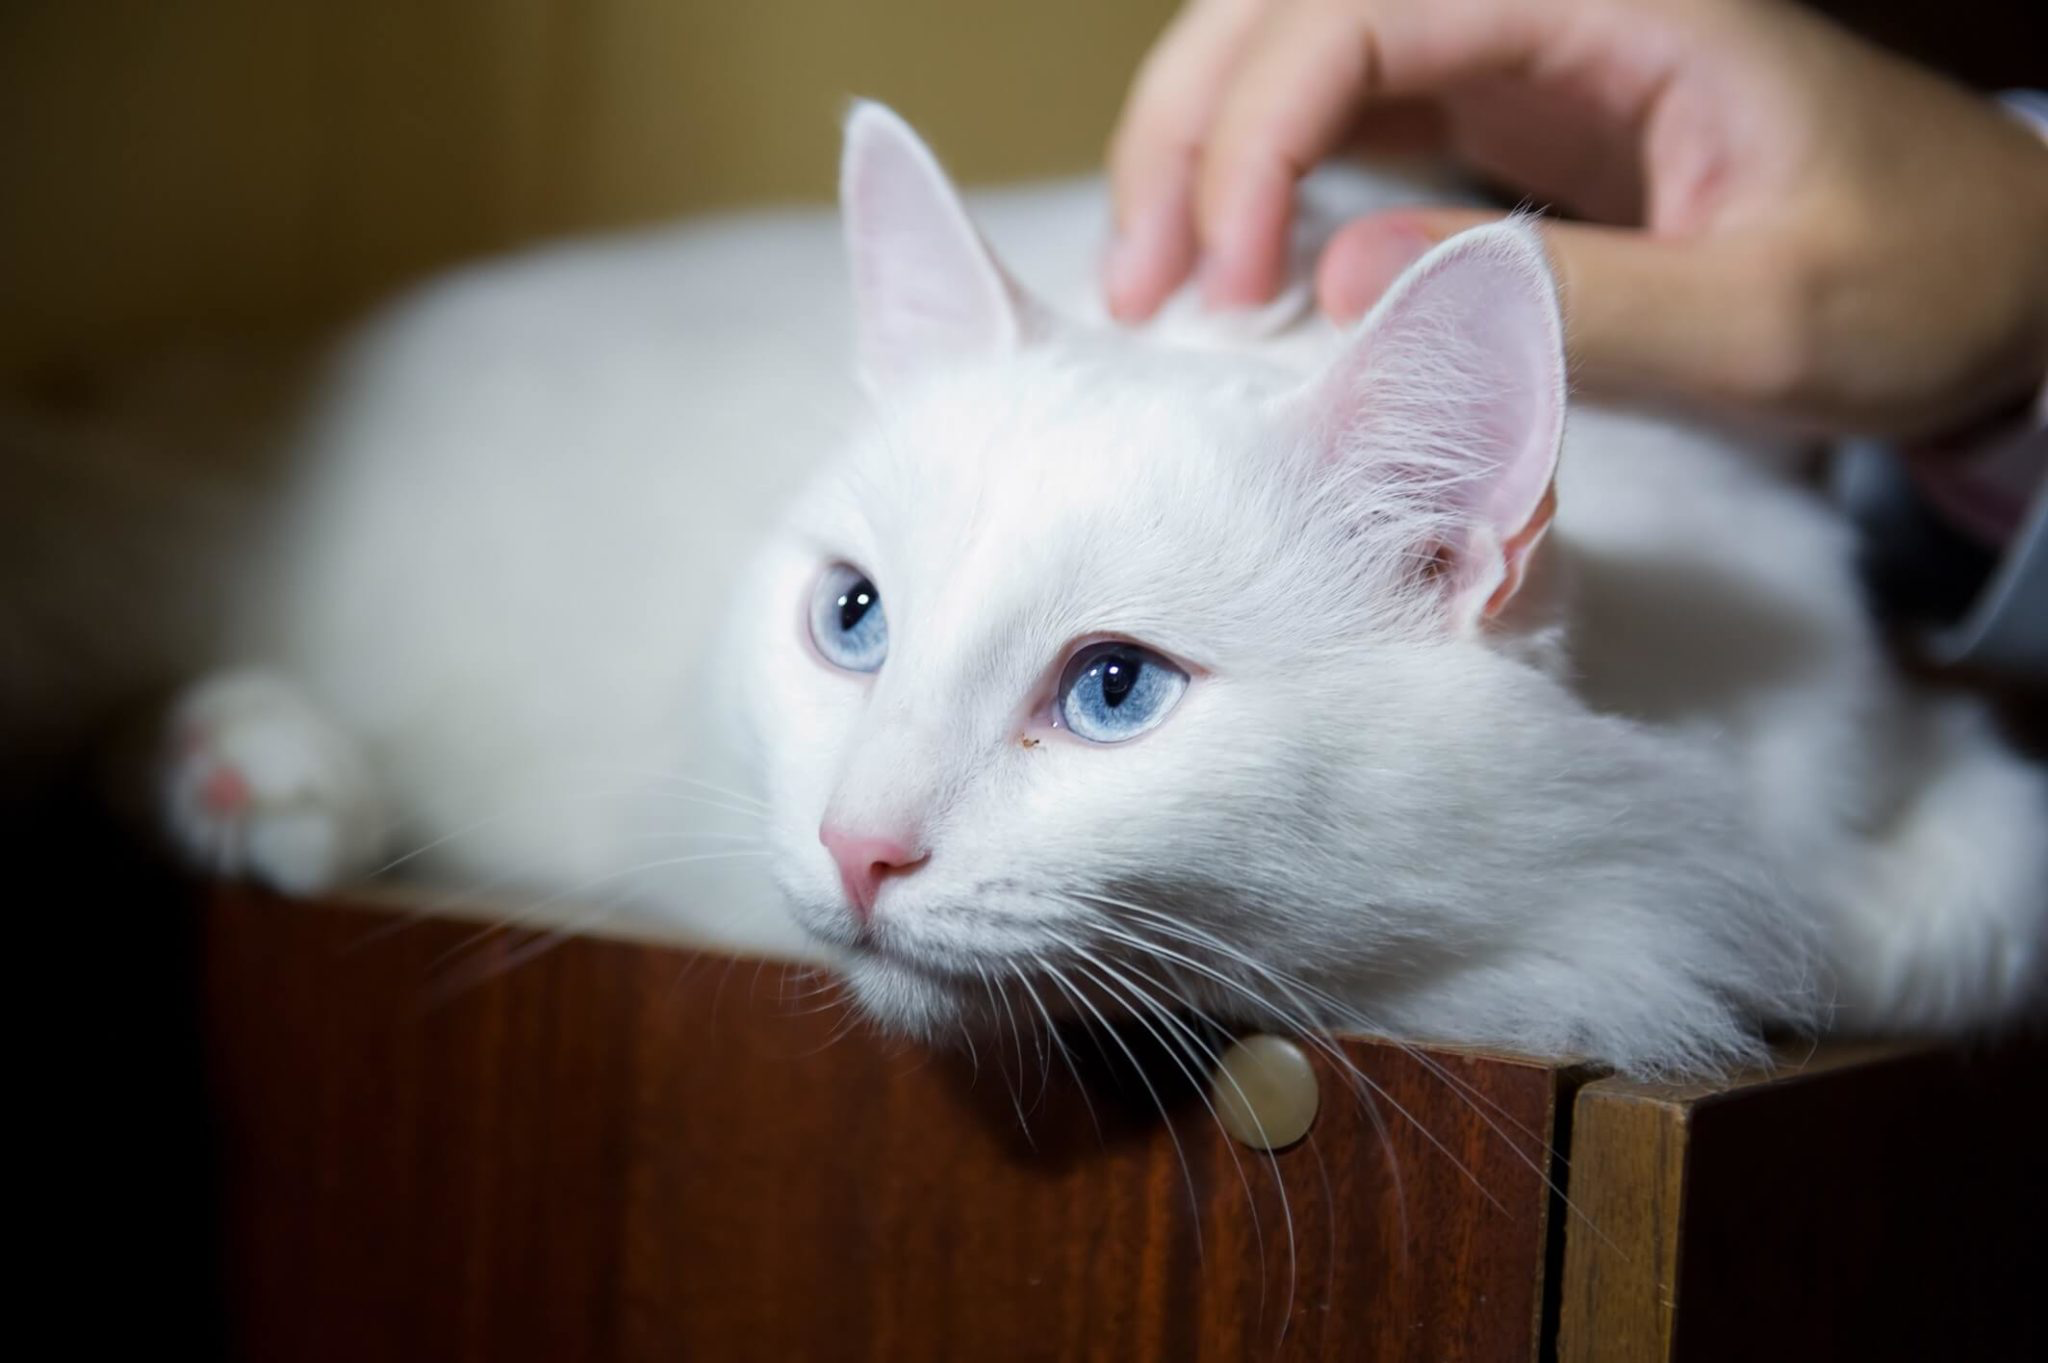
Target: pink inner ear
point(926, 289)
point(1516, 552)
point(1456, 382)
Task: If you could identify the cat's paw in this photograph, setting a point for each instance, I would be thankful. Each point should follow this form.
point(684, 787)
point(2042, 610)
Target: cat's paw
point(257, 784)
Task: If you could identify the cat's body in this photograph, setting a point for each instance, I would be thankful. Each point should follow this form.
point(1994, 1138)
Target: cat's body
point(540, 605)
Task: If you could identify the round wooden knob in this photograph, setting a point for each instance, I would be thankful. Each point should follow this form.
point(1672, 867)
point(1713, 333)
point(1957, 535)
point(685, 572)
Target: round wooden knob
point(1265, 1091)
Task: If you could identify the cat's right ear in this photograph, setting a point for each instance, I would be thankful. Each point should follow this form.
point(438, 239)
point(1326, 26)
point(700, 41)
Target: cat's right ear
point(927, 290)
point(1450, 396)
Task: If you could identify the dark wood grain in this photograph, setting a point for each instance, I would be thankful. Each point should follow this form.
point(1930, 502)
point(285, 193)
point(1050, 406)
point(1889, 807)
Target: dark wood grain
point(1871, 1203)
point(615, 1151)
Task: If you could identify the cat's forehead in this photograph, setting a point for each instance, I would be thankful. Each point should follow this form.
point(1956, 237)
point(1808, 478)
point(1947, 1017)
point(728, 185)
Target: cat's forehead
point(1041, 500)
point(1055, 438)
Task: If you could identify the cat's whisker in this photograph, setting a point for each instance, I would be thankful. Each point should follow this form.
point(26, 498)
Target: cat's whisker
point(839, 1033)
point(692, 798)
point(679, 835)
point(1016, 1036)
point(827, 1006)
point(1538, 1162)
point(437, 843)
point(820, 982)
point(539, 910)
point(524, 808)
point(1058, 1046)
point(973, 1056)
point(677, 777)
point(1307, 1031)
point(999, 1008)
point(475, 939)
point(1080, 997)
point(1363, 1089)
point(1013, 1085)
point(461, 981)
point(443, 901)
point(1141, 1002)
point(1169, 925)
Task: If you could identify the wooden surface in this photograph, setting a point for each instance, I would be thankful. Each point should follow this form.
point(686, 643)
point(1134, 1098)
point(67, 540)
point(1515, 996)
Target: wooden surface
point(615, 1151)
point(1627, 1182)
point(427, 1145)
point(1874, 1203)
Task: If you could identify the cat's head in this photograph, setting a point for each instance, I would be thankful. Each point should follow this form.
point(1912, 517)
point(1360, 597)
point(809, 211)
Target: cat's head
point(1087, 643)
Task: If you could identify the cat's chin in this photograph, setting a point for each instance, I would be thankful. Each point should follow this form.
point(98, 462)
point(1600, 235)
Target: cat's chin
point(901, 998)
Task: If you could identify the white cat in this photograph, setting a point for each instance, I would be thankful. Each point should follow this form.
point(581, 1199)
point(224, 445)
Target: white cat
point(1228, 660)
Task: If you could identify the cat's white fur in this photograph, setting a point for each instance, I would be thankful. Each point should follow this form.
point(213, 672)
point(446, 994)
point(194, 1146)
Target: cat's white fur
point(543, 570)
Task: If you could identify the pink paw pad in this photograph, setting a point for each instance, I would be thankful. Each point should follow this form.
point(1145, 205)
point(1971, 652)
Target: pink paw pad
point(226, 791)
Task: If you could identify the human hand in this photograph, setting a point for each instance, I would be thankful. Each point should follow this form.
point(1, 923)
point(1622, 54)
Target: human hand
point(1774, 216)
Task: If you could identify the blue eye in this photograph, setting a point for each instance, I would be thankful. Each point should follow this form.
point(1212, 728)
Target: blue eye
point(1115, 691)
point(847, 623)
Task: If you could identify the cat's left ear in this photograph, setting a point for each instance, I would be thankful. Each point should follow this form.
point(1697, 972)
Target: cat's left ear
point(927, 290)
point(1449, 400)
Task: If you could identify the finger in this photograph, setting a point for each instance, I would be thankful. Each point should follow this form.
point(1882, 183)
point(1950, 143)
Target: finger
point(1153, 151)
point(1366, 256)
point(1298, 94)
point(1703, 321)
point(1644, 316)
point(1153, 251)
point(1295, 95)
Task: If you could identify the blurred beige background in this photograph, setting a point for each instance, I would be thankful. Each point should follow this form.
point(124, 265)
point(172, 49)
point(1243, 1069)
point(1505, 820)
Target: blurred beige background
point(171, 168)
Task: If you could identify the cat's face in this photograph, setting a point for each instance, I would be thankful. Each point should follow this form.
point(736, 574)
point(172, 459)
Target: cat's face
point(1086, 652)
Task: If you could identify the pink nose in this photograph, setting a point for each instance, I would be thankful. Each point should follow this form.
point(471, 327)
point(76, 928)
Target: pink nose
point(864, 861)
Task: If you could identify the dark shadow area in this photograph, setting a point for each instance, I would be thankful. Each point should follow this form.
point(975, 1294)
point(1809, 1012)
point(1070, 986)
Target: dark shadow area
point(1057, 1100)
point(121, 1172)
